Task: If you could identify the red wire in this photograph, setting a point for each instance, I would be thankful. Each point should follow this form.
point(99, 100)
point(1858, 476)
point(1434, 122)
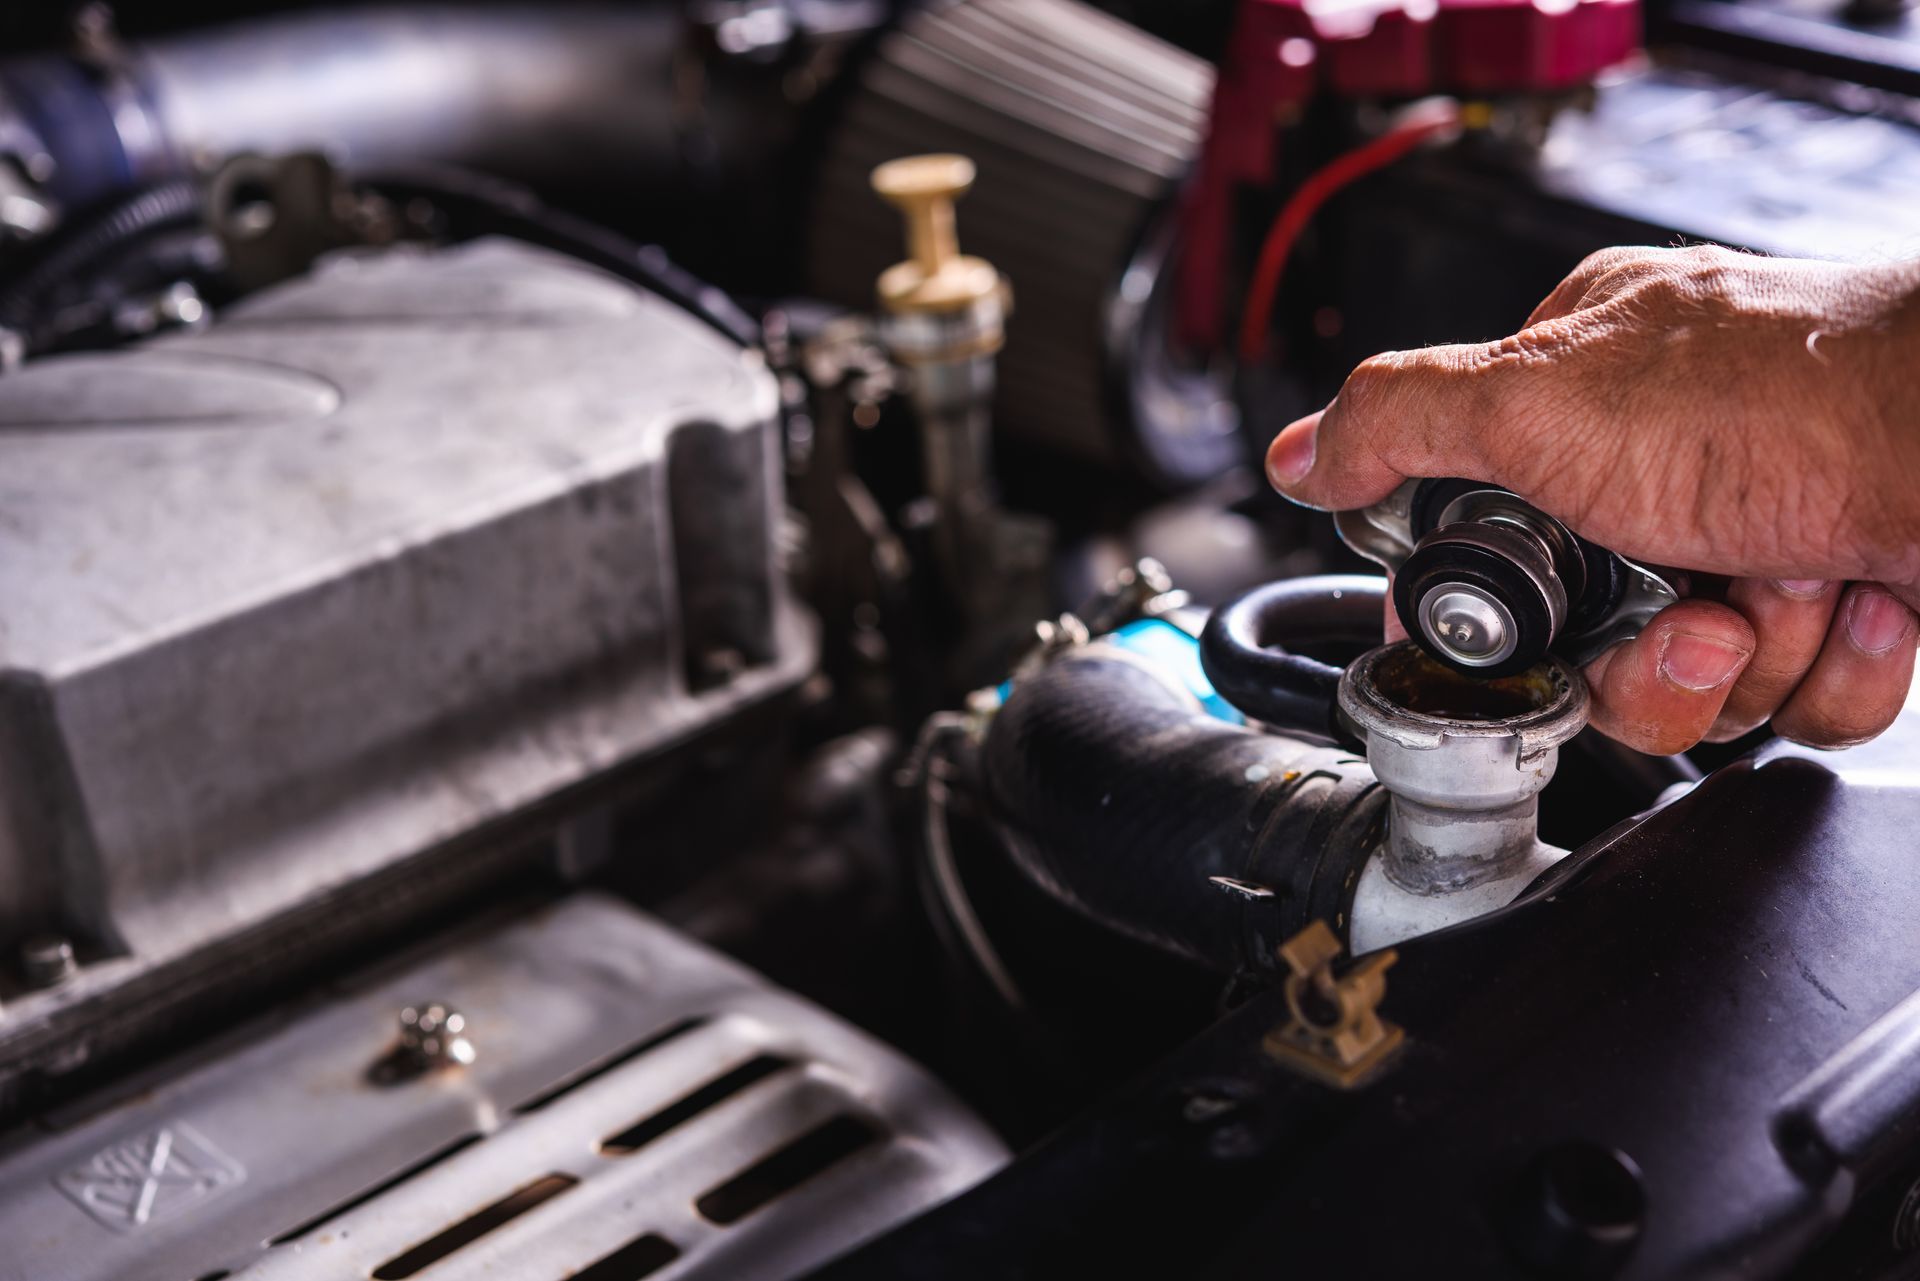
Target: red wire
point(1306, 200)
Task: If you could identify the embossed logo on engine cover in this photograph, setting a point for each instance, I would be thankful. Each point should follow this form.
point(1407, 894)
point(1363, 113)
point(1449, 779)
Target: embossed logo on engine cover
point(150, 1176)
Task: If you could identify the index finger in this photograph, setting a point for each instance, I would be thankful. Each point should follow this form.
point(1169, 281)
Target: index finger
point(1399, 415)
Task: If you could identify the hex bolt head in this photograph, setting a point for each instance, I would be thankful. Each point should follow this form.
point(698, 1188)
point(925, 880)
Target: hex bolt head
point(47, 960)
point(434, 1036)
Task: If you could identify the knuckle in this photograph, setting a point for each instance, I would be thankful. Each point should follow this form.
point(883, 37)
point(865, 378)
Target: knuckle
point(1629, 270)
point(1707, 274)
point(1395, 378)
point(1601, 261)
point(1712, 255)
point(1536, 345)
point(1665, 288)
point(1374, 380)
point(1370, 375)
point(1388, 367)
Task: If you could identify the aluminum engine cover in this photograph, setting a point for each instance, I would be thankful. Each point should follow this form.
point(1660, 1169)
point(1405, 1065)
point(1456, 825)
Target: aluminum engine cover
point(647, 1085)
point(294, 606)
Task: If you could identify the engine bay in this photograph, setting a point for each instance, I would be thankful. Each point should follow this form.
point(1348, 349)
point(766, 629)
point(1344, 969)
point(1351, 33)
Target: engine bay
point(645, 640)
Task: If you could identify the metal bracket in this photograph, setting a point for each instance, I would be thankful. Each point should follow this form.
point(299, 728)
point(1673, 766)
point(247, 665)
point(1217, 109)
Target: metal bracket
point(1335, 1035)
point(1383, 533)
point(1646, 593)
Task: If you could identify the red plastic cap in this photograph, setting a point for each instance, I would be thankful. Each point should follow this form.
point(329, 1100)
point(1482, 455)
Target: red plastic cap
point(1408, 47)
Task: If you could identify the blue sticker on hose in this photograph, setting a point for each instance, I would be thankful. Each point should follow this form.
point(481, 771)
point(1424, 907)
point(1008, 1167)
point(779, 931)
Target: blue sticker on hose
point(1174, 651)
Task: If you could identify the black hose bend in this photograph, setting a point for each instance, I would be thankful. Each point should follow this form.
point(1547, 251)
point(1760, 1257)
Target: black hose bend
point(1244, 649)
point(1118, 795)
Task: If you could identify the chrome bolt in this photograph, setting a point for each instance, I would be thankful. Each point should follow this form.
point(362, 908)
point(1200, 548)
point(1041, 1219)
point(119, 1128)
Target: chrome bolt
point(434, 1036)
point(47, 960)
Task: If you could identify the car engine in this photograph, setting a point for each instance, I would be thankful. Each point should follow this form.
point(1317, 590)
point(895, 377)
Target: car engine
point(643, 640)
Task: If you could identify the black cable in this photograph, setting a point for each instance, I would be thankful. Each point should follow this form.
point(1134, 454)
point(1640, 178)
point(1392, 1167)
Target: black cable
point(950, 909)
point(479, 205)
point(71, 252)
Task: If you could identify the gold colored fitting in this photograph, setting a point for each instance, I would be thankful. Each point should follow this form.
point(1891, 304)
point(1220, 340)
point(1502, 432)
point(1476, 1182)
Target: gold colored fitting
point(1341, 1040)
point(937, 277)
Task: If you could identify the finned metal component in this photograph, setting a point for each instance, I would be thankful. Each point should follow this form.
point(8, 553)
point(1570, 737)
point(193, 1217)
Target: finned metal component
point(1464, 760)
point(1083, 127)
point(1474, 562)
point(1335, 1035)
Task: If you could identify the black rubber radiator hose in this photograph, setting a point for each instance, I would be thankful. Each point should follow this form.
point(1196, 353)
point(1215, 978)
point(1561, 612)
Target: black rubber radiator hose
point(1121, 797)
point(1249, 649)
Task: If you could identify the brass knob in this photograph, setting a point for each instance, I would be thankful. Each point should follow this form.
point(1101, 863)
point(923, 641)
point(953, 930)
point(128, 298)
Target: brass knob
point(937, 277)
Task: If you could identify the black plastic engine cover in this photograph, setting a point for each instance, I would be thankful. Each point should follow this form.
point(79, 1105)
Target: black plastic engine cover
point(1661, 995)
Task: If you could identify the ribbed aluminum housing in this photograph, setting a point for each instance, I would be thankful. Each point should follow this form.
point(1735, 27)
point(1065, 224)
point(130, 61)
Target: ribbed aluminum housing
point(1081, 127)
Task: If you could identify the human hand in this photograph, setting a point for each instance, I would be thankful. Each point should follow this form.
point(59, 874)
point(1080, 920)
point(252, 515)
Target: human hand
point(1746, 417)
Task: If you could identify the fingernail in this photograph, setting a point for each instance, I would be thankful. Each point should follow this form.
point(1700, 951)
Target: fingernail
point(1801, 586)
point(1291, 457)
point(1876, 622)
point(1698, 663)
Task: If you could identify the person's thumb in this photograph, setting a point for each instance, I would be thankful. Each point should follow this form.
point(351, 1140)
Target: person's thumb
point(1403, 414)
